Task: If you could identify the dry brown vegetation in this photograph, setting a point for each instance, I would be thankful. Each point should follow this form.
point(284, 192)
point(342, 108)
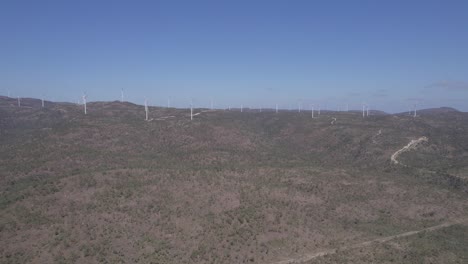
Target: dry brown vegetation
point(227, 187)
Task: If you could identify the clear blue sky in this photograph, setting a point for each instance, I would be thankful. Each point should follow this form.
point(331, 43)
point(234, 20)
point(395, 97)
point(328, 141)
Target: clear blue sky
point(389, 54)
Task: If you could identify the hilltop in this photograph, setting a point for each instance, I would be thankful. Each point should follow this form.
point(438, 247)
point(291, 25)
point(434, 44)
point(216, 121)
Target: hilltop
point(229, 187)
point(440, 110)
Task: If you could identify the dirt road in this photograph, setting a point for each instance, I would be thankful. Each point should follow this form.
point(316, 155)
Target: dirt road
point(314, 255)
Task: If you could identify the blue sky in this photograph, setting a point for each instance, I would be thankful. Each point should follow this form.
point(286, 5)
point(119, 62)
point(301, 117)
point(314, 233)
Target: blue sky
point(389, 54)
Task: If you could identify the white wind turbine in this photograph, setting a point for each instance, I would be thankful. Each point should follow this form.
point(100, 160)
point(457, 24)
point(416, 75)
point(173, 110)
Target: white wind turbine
point(191, 109)
point(42, 101)
point(19, 101)
point(276, 108)
point(414, 110)
point(363, 110)
point(84, 103)
point(146, 109)
point(168, 102)
point(242, 108)
point(121, 95)
point(312, 108)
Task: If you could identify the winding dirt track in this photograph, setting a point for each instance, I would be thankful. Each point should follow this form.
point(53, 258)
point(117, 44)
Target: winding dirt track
point(312, 256)
point(413, 143)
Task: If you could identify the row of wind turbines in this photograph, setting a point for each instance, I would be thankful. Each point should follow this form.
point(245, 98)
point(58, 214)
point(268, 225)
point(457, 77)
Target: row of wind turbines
point(365, 107)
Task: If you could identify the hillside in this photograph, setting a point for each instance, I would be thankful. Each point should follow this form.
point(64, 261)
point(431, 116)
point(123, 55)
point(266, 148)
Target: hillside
point(440, 110)
point(229, 187)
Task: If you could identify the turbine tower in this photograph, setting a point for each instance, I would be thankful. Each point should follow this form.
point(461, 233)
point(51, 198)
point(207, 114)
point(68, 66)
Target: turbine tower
point(121, 96)
point(168, 103)
point(312, 108)
point(242, 108)
point(146, 109)
point(414, 110)
point(191, 109)
point(42, 101)
point(84, 103)
point(276, 108)
point(19, 101)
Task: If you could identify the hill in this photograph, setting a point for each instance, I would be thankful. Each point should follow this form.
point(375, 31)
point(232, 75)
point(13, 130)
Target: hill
point(229, 187)
point(440, 110)
point(432, 111)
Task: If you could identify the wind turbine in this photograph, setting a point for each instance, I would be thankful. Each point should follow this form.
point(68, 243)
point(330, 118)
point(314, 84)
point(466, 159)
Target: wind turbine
point(121, 96)
point(8, 93)
point(19, 101)
point(367, 111)
point(168, 103)
point(146, 109)
point(312, 108)
point(42, 101)
point(363, 110)
point(191, 109)
point(276, 108)
point(84, 103)
point(319, 109)
point(414, 110)
point(242, 108)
